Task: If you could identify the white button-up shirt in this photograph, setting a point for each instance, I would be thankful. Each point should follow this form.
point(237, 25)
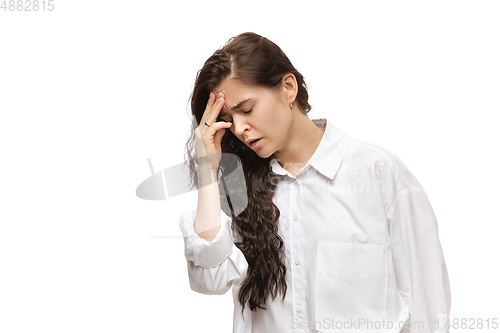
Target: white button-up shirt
point(361, 243)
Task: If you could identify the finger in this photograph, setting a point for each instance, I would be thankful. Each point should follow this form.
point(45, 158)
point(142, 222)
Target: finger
point(212, 130)
point(208, 107)
point(218, 138)
point(212, 117)
point(220, 132)
point(216, 102)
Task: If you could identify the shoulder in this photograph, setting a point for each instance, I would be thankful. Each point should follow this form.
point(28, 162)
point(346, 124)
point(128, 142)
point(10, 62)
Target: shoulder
point(370, 153)
point(383, 162)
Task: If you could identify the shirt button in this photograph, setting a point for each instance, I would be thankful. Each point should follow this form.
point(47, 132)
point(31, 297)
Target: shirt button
point(297, 261)
point(299, 308)
point(295, 217)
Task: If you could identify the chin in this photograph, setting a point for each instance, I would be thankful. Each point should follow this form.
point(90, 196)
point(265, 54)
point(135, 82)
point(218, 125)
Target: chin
point(263, 154)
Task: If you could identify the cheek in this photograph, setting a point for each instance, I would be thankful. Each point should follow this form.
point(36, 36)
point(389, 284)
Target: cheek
point(273, 121)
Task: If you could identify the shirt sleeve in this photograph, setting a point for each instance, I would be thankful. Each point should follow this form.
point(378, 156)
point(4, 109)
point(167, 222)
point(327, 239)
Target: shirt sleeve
point(419, 265)
point(213, 266)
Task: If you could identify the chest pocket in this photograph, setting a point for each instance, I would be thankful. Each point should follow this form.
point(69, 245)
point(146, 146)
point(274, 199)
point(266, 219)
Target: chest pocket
point(350, 286)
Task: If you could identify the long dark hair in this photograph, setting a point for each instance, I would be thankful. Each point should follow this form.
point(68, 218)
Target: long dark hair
point(254, 60)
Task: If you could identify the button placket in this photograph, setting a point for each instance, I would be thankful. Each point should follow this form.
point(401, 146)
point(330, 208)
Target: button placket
point(298, 284)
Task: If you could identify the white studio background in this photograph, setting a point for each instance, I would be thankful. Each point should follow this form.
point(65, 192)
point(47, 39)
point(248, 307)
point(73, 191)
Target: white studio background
point(92, 89)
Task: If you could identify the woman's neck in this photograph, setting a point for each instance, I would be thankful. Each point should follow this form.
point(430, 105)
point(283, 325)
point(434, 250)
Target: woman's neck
point(303, 140)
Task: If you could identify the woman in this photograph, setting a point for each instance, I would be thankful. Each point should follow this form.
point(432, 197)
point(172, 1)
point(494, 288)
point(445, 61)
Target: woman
point(336, 233)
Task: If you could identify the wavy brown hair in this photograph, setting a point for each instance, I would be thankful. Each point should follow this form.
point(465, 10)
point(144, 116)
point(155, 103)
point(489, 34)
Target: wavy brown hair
point(254, 60)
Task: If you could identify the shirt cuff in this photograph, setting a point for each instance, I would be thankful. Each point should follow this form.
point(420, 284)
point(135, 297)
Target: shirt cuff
point(205, 253)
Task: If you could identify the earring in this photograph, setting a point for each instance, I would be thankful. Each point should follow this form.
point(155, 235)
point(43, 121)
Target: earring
point(291, 105)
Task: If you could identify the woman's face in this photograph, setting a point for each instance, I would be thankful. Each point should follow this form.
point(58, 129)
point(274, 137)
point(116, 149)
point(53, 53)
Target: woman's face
point(257, 112)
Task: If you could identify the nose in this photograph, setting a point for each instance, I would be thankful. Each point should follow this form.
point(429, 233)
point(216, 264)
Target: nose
point(240, 126)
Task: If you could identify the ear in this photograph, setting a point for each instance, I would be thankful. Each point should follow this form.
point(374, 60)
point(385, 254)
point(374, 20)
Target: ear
point(289, 87)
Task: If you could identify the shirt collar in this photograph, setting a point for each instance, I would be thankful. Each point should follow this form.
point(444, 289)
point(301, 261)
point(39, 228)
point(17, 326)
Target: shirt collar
point(329, 153)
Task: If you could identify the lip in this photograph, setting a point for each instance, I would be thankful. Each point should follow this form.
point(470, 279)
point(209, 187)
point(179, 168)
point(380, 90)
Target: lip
point(247, 141)
point(255, 144)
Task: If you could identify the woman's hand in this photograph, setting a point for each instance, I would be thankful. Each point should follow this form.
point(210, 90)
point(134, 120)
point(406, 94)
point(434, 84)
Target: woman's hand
point(208, 138)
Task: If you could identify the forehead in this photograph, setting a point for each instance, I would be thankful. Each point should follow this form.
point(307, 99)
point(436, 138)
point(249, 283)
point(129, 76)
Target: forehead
point(235, 92)
point(234, 89)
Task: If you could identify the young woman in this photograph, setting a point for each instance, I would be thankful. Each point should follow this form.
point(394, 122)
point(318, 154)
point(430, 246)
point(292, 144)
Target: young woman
point(336, 234)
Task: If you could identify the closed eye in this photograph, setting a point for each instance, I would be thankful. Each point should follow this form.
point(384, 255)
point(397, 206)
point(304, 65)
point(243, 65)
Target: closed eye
point(246, 112)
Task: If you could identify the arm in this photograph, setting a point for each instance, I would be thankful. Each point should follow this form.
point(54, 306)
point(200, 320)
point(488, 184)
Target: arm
point(208, 213)
point(214, 261)
point(419, 264)
point(213, 266)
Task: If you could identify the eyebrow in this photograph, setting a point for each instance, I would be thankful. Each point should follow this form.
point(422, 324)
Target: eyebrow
point(237, 106)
